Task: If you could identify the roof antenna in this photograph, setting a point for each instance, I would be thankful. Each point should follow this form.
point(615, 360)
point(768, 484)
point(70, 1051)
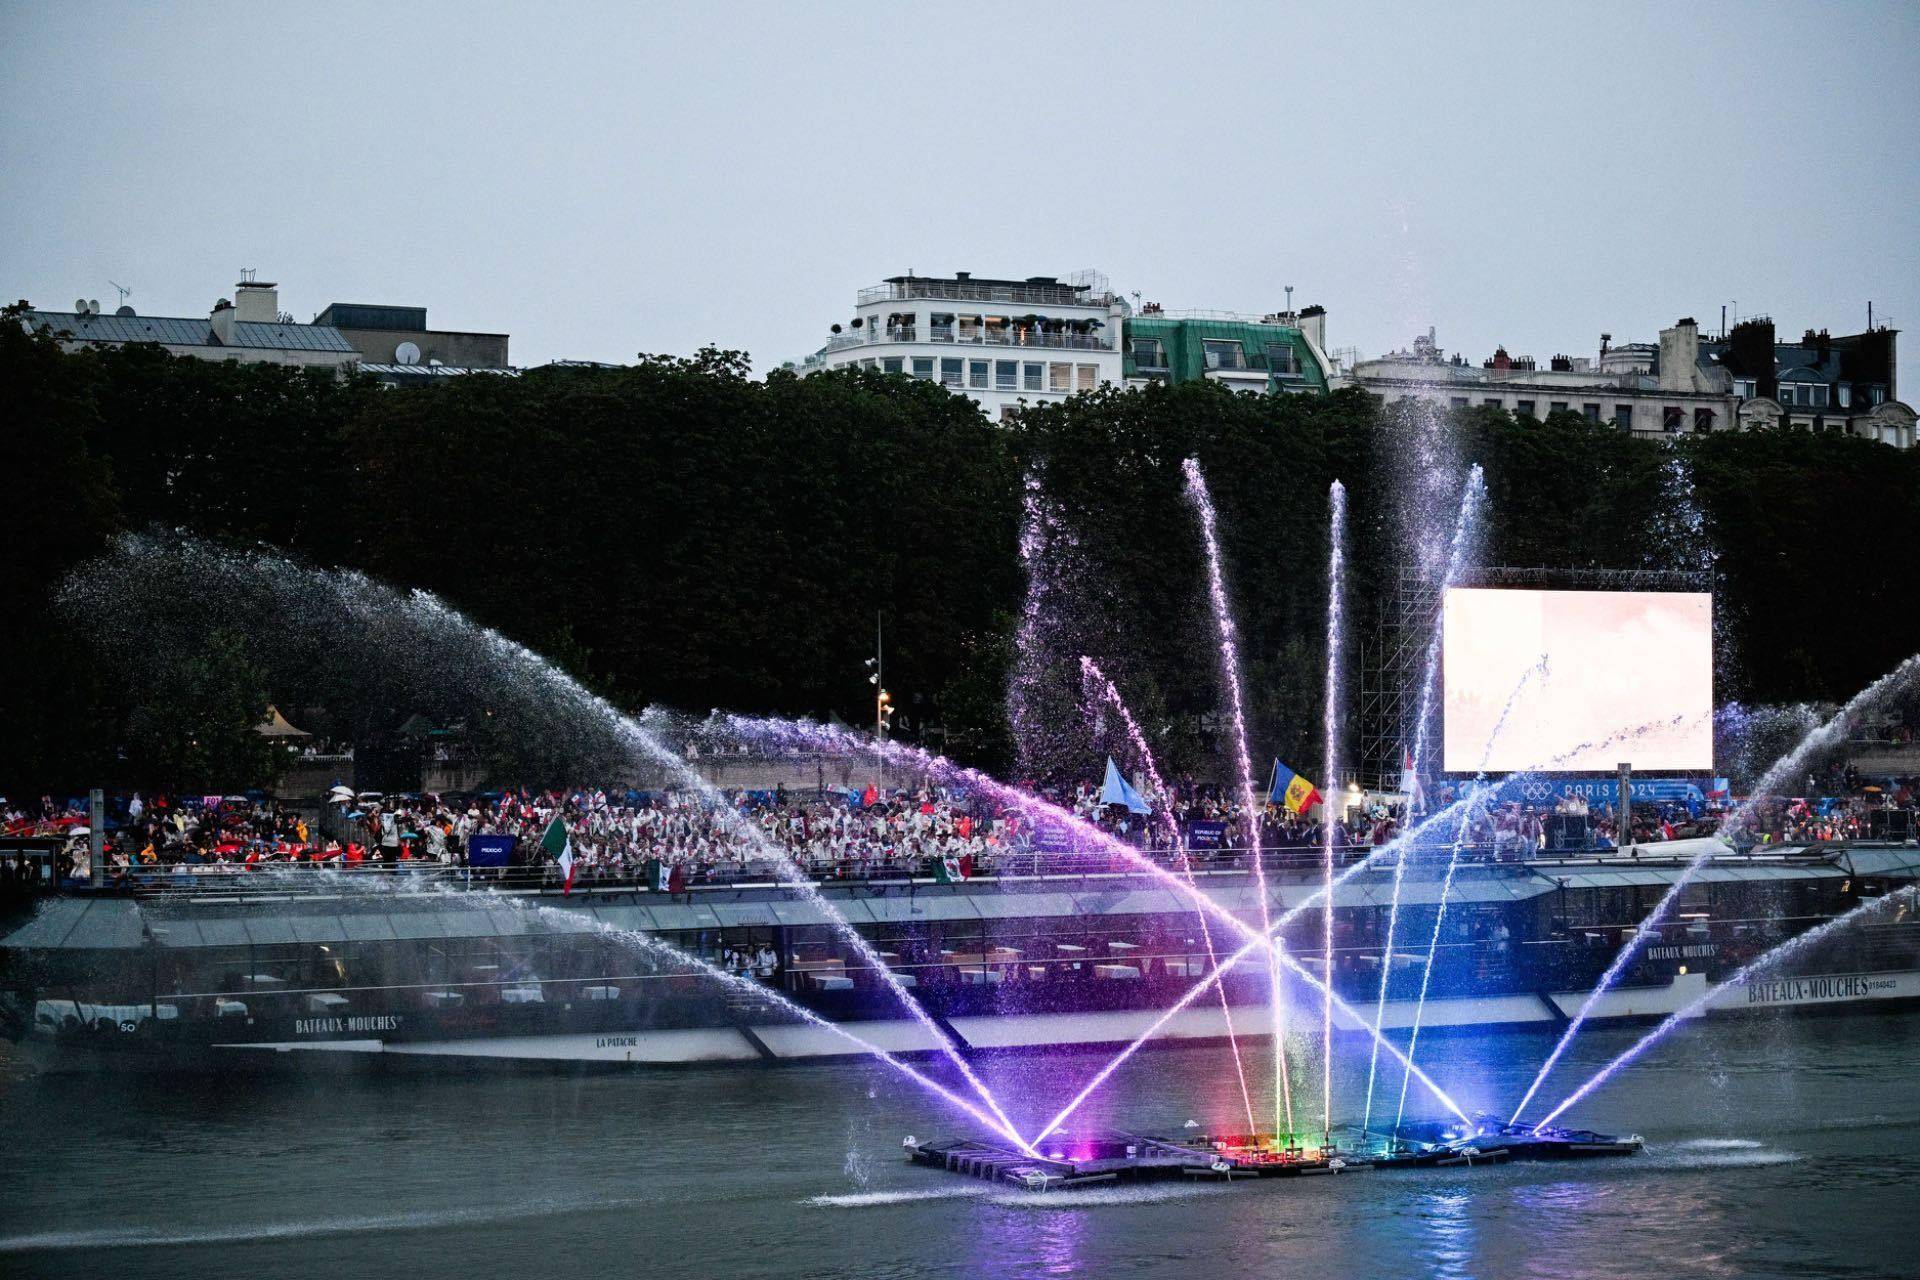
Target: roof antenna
point(125, 292)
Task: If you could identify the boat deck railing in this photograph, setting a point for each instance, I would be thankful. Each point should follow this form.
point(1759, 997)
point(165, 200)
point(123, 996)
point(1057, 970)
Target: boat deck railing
point(1291, 864)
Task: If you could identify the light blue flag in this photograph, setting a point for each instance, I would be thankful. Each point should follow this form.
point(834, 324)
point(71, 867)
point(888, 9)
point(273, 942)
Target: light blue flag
point(1117, 791)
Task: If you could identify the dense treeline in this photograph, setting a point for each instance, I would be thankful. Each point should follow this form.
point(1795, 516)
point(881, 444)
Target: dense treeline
point(677, 532)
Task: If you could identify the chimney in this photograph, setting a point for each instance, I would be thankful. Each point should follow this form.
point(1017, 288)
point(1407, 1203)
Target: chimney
point(1313, 323)
point(1680, 357)
point(222, 321)
point(256, 302)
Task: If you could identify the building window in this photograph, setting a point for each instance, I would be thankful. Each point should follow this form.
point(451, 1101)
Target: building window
point(1282, 359)
point(977, 374)
point(1458, 402)
point(1623, 416)
point(1703, 419)
point(869, 363)
point(1744, 388)
point(940, 326)
point(891, 364)
point(1494, 402)
point(969, 328)
point(1523, 409)
point(1819, 396)
point(1089, 377)
point(950, 371)
point(1149, 353)
point(1591, 412)
point(1036, 375)
point(1006, 375)
point(1008, 412)
point(923, 367)
point(1059, 377)
point(1224, 354)
point(1671, 417)
point(1557, 406)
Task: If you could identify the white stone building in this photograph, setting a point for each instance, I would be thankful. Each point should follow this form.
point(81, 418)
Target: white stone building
point(1650, 392)
point(999, 342)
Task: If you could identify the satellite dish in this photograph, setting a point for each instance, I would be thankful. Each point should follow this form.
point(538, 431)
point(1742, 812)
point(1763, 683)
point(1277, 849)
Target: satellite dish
point(406, 353)
point(80, 306)
point(124, 310)
point(93, 306)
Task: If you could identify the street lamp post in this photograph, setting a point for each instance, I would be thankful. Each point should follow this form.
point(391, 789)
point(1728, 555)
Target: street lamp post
point(882, 700)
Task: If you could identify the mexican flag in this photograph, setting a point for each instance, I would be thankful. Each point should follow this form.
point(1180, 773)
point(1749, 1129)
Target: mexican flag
point(949, 871)
point(559, 847)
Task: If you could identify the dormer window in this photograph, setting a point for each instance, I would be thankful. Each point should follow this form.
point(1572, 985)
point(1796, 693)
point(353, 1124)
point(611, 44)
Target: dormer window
point(1224, 354)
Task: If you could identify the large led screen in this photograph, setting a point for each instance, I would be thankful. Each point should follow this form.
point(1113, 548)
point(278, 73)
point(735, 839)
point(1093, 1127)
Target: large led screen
point(1628, 678)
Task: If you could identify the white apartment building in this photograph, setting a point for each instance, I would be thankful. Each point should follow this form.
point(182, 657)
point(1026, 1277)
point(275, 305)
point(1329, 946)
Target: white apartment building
point(999, 342)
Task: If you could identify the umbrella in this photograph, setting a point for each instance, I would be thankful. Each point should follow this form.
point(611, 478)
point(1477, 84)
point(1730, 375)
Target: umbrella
point(81, 831)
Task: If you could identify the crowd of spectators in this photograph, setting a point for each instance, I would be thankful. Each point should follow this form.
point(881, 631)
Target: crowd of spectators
point(670, 840)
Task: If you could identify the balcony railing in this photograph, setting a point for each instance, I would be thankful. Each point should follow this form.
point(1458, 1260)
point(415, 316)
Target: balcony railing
point(981, 338)
point(1033, 295)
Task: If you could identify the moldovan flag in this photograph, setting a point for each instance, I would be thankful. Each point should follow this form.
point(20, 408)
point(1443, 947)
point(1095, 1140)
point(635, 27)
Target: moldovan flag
point(559, 845)
point(1292, 790)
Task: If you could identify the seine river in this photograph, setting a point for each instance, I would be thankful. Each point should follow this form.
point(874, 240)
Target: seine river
point(1788, 1148)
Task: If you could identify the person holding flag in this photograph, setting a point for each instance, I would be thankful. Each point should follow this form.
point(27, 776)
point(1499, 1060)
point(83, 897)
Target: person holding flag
point(1292, 791)
point(1117, 790)
point(1410, 785)
point(559, 846)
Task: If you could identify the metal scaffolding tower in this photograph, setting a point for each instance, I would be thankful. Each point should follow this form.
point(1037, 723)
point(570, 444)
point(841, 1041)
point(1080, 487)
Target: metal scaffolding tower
point(1393, 659)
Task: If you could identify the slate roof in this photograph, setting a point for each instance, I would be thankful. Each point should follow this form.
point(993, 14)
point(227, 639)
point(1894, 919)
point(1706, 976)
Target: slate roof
point(182, 332)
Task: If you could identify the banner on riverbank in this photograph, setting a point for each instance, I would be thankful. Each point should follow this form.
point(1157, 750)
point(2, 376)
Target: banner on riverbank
point(1209, 834)
point(489, 851)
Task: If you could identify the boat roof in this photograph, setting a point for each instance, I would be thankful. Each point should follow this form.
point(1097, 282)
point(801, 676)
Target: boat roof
point(386, 912)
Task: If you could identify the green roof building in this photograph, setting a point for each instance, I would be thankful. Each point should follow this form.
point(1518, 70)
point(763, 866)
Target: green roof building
point(1282, 352)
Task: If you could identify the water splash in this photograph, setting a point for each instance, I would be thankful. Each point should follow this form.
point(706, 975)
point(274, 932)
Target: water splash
point(1785, 951)
point(1453, 864)
point(1789, 765)
point(1225, 633)
point(1457, 555)
point(831, 738)
point(834, 738)
point(1099, 686)
point(1336, 638)
point(435, 642)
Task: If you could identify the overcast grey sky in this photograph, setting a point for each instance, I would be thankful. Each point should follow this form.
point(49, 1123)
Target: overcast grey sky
point(601, 180)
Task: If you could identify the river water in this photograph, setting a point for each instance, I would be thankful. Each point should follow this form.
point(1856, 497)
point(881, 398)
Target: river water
point(1777, 1148)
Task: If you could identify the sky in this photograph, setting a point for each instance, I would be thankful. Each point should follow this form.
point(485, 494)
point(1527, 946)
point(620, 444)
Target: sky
point(604, 180)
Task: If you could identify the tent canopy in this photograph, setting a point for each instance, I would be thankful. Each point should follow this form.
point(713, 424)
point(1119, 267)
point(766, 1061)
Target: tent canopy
point(276, 726)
